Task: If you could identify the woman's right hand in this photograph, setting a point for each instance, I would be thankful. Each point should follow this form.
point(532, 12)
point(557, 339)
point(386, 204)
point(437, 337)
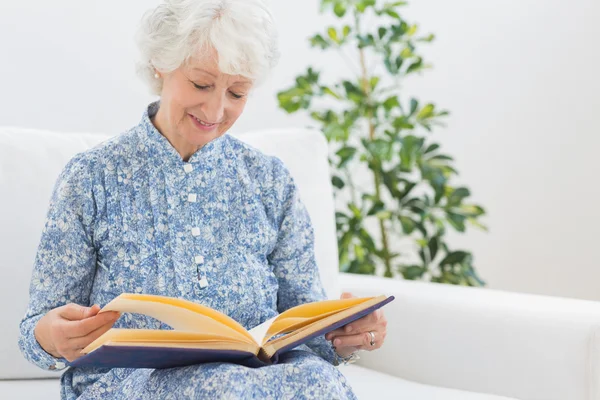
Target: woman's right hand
point(65, 330)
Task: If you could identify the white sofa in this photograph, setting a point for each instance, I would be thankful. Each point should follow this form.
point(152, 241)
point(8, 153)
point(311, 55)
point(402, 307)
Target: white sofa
point(443, 342)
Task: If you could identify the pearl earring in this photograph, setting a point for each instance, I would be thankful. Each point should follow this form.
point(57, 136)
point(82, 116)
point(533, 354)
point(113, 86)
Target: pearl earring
point(157, 75)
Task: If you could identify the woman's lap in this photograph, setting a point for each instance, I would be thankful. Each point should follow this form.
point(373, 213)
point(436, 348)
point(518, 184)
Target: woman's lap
point(299, 375)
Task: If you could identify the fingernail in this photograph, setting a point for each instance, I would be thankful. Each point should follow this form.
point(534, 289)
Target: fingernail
point(337, 342)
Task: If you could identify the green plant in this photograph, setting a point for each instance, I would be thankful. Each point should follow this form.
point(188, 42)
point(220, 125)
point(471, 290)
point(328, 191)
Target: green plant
point(367, 124)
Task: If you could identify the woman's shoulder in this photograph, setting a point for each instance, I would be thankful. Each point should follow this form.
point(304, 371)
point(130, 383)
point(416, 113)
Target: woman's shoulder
point(91, 162)
point(263, 167)
point(110, 149)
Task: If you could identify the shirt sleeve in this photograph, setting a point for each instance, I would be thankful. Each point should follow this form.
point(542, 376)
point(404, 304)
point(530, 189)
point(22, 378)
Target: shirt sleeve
point(293, 258)
point(65, 262)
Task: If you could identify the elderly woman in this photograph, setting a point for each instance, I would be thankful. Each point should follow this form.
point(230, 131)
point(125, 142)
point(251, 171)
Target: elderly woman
point(177, 207)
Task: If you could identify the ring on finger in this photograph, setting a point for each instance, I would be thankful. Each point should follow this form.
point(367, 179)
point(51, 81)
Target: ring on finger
point(372, 343)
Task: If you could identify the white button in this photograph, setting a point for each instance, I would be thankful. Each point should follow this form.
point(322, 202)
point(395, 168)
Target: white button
point(203, 282)
point(196, 231)
point(199, 259)
point(192, 197)
point(188, 168)
point(59, 365)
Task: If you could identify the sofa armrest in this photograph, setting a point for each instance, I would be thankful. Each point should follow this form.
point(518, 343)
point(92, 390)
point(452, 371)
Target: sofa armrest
point(510, 344)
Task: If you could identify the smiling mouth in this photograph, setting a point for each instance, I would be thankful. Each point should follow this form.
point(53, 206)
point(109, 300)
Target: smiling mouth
point(203, 123)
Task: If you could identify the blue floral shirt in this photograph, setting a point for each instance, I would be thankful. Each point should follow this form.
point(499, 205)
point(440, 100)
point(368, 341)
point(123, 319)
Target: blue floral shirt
point(225, 229)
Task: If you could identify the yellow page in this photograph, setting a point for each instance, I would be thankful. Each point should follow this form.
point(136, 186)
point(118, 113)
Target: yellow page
point(142, 336)
point(300, 316)
point(180, 315)
point(271, 347)
point(250, 348)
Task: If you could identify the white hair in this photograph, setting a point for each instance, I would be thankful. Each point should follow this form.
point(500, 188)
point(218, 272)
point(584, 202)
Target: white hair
point(242, 33)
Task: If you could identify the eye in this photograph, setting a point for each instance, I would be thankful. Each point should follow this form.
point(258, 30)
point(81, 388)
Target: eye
point(200, 87)
point(236, 96)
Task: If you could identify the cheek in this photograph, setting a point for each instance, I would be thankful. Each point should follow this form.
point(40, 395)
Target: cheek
point(235, 112)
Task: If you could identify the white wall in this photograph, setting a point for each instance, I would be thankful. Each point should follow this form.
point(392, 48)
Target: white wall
point(518, 75)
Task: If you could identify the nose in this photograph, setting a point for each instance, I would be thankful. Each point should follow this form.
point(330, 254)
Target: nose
point(214, 107)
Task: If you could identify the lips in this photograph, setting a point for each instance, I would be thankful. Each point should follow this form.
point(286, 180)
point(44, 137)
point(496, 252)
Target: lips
point(203, 125)
point(202, 122)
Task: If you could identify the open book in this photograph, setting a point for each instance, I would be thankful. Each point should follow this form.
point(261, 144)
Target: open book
point(201, 334)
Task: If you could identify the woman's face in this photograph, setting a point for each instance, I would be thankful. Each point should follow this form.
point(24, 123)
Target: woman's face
point(199, 103)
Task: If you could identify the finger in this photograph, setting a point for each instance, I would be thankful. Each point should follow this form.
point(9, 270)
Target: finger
point(85, 326)
point(81, 342)
point(75, 312)
point(362, 339)
point(346, 295)
point(363, 324)
point(334, 333)
point(358, 326)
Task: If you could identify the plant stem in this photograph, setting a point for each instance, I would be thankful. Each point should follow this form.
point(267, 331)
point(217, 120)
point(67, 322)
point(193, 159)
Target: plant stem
point(384, 238)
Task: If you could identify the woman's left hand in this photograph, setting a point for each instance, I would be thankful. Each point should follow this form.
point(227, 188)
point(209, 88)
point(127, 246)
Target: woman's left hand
point(356, 336)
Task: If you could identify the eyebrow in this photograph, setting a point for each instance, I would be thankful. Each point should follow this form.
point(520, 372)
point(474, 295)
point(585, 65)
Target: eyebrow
point(214, 76)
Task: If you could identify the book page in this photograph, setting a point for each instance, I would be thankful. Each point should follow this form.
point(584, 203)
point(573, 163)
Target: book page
point(168, 338)
point(259, 332)
point(180, 315)
point(306, 314)
point(295, 337)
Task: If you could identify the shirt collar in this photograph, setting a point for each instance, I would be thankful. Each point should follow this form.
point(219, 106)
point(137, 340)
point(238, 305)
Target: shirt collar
point(159, 146)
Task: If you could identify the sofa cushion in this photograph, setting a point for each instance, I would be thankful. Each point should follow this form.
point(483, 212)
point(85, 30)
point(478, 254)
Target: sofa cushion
point(30, 162)
point(31, 389)
point(369, 384)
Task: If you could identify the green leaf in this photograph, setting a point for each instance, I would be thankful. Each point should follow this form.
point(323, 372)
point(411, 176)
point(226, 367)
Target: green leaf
point(414, 104)
point(374, 82)
point(333, 35)
point(319, 41)
point(377, 207)
point(359, 251)
point(390, 103)
point(346, 31)
point(339, 9)
point(441, 157)
point(355, 210)
point(353, 92)
point(341, 216)
point(457, 221)
point(410, 146)
point(426, 112)
point(455, 257)
point(396, 4)
point(415, 205)
point(477, 224)
point(391, 13)
point(382, 31)
point(346, 154)
point(384, 215)
point(470, 210)
point(413, 272)
point(408, 225)
point(367, 240)
point(362, 5)
point(433, 247)
point(337, 182)
point(345, 240)
point(417, 65)
point(330, 92)
point(432, 148)
point(457, 196)
point(428, 38)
